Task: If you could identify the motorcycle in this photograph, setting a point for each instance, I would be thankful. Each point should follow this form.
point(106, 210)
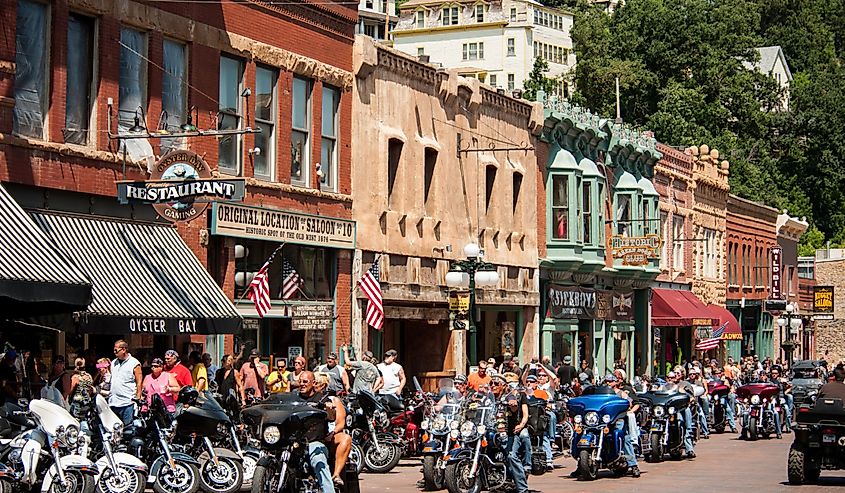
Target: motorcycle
point(406, 423)
point(718, 406)
point(368, 423)
point(538, 422)
point(118, 472)
point(819, 440)
point(199, 420)
point(565, 428)
point(286, 427)
point(478, 463)
point(597, 442)
point(758, 418)
point(437, 443)
point(240, 439)
point(171, 471)
point(662, 430)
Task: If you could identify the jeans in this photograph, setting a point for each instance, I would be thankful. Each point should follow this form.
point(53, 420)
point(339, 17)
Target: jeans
point(550, 435)
point(778, 424)
point(523, 443)
point(687, 417)
point(125, 413)
point(627, 444)
point(703, 414)
point(514, 464)
point(318, 456)
point(730, 410)
point(790, 407)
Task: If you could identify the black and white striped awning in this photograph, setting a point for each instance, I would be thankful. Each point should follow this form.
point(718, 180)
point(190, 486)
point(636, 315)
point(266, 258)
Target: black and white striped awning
point(146, 280)
point(35, 277)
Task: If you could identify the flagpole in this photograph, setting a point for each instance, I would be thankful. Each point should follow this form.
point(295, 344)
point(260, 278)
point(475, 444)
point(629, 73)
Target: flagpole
point(352, 291)
point(269, 260)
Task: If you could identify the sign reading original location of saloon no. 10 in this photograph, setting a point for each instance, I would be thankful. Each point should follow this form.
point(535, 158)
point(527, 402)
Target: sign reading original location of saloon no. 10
point(180, 187)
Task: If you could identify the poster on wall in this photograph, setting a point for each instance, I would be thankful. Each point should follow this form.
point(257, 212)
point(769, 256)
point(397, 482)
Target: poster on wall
point(823, 302)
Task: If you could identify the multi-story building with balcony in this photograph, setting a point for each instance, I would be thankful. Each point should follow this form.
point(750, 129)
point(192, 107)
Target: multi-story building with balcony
point(377, 18)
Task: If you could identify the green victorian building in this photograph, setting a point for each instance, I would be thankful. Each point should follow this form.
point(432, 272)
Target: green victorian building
point(601, 239)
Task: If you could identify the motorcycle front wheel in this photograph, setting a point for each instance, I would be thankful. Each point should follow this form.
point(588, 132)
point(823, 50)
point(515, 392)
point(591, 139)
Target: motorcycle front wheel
point(181, 478)
point(752, 428)
point(75, 482)
point(356, 457)
point(265, 480)
point(433, 473)
point(656, 454)
point(458, 480)
point(225, 477)
point(124, 480)
point(382, 459)
point(588, 468)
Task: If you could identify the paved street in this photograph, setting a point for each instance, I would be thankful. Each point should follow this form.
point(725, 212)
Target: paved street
point(723, 464)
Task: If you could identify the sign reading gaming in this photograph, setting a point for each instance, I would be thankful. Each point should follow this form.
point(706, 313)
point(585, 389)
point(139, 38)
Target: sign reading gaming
point(635, 250)
point(180, 187)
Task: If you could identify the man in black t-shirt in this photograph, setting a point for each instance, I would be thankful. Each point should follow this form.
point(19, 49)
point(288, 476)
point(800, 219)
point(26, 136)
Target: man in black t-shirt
point(318, 453)
point(515, 405)
point(567, 373)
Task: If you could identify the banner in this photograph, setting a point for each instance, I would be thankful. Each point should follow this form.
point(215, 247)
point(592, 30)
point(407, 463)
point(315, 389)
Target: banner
point(823, 302)
point(589, 304)
point(776, 292)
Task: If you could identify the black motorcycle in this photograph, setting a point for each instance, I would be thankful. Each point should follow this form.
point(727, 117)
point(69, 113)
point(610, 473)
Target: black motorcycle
point(663, 430)
point(369, 424)
point(478, 464)
point(240, 438)
point(286, 427)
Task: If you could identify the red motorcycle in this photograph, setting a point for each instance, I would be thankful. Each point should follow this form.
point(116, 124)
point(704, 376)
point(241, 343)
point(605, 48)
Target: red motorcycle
point(758, 403)
point(718, 405)
point(405, 423)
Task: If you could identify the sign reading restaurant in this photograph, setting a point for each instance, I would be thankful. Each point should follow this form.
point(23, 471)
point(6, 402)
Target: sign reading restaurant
point(634, 250)
point(258, 223)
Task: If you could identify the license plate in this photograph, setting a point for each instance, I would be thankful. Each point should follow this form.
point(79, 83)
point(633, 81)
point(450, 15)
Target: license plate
point(754, 412)
point(828, 438)
point(586, 440)
point(657, 427)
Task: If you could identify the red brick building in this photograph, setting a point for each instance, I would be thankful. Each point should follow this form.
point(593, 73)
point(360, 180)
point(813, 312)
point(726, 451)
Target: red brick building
point(69, 68)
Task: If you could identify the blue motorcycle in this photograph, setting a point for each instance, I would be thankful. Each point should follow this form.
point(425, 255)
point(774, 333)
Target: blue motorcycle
point(598, 441)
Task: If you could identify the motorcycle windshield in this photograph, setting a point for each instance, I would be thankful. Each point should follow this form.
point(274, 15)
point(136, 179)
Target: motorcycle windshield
point(50, 416)
point(108, 418)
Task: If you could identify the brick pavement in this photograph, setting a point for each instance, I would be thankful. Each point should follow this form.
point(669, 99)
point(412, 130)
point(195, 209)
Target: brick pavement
point(723, 464)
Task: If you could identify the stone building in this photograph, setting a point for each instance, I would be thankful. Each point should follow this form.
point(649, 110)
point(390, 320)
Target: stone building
point(73, 72)
point(830, 334)
point(442, 161)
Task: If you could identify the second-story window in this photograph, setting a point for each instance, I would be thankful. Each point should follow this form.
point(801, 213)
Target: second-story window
point(328, 141)
point(132, 96)
point(479, 13)
point(511, 47)
point(450, 16)
point(31, 69)
point(174, 96)
point(560, 207)
point(78, 91)
point(623, 214)
point(665, 236)
point(420, 19)
point(473, 51)
point(229, 146)
point(678, 243)
point(301, 130)
point(587, 198)
point(513, 14)
point(511, 82)
point(265, 119)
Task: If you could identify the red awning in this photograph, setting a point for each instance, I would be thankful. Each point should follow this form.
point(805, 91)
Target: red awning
point(677, 308)
point(733, 331)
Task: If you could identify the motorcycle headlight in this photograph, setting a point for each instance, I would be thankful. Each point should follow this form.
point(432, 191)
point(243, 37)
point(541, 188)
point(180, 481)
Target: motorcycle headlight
point(271, 434)
point(591, 418)
point(467, 428)
point(481, 429)
point(118, 429)
point(439, 423)
point(745, 400)
point(72, 435)
point(577, 419)
point(605, 419)
point(454, 425)
point(755, 399)
point(659, 411)
point(671, 409)
point(454, 433)
point(424, 424)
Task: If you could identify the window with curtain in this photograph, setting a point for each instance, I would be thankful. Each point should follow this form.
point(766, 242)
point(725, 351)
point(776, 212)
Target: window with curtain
point(328, 139)
point(623, 214)
point(314, 265)
point(265, 119)
point(80, 75)
point(560, 207)
point(301, 131)
point(511, 47)
point(229, 96)
point(678, 243)
point(174, 91)
point(666, 238)
point(31, 69)
point(132, 96)
point(587, 214)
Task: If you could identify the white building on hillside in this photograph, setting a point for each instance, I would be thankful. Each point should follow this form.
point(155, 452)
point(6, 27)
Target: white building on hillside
point(773, 63)
point(494, 41)
point(376, 15)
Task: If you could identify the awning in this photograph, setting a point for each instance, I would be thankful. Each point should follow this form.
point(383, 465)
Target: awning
point(732, 329)
point(35, 277)
point(678, 308)
point(145, 278)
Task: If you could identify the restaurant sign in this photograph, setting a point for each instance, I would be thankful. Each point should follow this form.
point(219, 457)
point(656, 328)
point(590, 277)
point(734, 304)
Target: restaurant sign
point(180, 187)
point(635, 250)
point(589, 304)
point(823, 303)
point(312, 317)
point(281, 226)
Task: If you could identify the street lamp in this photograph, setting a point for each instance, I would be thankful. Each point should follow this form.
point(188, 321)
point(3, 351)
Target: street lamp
point(469, 274)
point(792, 322)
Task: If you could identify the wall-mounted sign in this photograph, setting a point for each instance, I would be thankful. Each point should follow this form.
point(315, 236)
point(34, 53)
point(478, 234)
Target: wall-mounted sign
point(589, 304)
point(776, 292)
point(281, 226)
point(823, 302)
point(458, 309)
point(180, 187)
point(635, 250)
point(312, 317)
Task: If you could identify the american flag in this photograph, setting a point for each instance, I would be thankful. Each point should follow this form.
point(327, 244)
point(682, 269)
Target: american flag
point(259, 288)
point(291, 280)
point(708, 344)
point(721, 330)
point(371, 287)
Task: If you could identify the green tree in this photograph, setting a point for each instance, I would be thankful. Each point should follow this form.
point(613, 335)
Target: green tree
point(537, 80)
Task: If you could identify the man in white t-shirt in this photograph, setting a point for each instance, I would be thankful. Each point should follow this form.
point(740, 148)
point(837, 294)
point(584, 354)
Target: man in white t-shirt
point(393, 376)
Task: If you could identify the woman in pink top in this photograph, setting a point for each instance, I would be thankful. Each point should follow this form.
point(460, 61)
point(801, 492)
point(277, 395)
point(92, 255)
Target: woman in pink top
point(162, 383)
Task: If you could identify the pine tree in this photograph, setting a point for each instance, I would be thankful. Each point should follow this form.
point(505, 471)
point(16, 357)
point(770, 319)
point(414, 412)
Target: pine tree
point(537, 80)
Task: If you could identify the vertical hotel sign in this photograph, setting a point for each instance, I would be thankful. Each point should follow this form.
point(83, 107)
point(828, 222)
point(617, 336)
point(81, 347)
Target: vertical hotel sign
point(776, 292)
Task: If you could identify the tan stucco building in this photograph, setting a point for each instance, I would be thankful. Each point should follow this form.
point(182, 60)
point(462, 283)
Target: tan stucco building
point(429, 178)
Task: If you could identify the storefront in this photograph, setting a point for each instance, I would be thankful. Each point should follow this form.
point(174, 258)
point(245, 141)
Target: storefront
point(678, 321)
point(308, 252)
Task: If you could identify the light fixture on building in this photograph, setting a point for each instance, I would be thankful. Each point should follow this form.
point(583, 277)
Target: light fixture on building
point(189, 126)
point(244, 278)
point(137, 128)
point(792, 322)
point(241, 251)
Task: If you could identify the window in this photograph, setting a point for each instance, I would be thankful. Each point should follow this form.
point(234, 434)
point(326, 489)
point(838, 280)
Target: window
point(513, 14)
point(420, 19)
point(678, 243)
point(479, 13)
point(707, 260)
point(536, 17)
point(430, 165)
point(132, 98)
point(489, 183)
point(300, 144)
point(511, 83)
point(601, 214)
point(665, 237)
point(511, 47)
point(394, 157)
point(229, 146)
point(80, 74)
point(265, 119)
point(174, 97)
point(420, 51)
point(473, 51)
point(587, 214)
point(623, 214)
point(328, 143)
point(493, 80)
point(560, 207)
point(536, 49)
point(31, 62)
point(566, 56)
point(449, 16)
point(517, 189)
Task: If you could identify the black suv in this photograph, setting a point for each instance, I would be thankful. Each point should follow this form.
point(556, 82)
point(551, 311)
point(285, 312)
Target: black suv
point(819, 441)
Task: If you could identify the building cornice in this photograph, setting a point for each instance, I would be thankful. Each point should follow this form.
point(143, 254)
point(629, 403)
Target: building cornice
point(458, 27)
point(739, 205)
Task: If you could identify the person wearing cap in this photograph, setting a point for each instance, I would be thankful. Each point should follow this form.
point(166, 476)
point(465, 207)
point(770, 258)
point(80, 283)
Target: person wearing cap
point(566, 373)
point(393, 375)
point(367, 375)
point(173, 365)
point(612, 381)
point(675, 382)
point(253, 373)
point(163, 384)
point(480, 378)
point(703, 401)
point(452, 395)
point(491, 366)
point(102, 380)
point(338, 379)
point(125, 383)
point(515, 407)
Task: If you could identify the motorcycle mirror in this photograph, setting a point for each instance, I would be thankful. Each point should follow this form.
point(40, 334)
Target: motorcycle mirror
point(417, 384)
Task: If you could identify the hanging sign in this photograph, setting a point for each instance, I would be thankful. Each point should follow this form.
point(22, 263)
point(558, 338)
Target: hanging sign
point(180, 187)
point(776, 293)
point(588, 303)
point(635, 250)
point(823, 302)
point(312, 317)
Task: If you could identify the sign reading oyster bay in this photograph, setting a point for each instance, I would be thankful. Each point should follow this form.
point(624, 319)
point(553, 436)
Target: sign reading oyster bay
point(180, 187)
point(635, 250)
point(283, 226)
